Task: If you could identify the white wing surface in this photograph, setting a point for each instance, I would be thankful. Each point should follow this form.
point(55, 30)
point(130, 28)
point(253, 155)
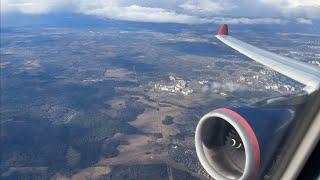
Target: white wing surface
point(304, 73)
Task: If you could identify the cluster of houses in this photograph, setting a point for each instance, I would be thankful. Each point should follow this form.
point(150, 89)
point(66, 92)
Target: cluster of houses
point(177, 86)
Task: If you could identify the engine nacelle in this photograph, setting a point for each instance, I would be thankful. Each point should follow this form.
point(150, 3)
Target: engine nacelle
point(239, 142)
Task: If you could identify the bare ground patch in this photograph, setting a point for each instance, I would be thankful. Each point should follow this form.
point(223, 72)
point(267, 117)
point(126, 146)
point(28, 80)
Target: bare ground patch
point(118, 73)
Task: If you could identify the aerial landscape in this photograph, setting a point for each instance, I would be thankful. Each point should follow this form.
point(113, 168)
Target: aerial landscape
point(121, 100)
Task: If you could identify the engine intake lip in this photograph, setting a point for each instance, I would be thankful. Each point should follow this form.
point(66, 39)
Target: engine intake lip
point(248, 137)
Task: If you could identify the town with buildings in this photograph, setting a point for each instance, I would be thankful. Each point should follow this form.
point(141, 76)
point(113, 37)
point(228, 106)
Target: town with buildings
point(177, 85)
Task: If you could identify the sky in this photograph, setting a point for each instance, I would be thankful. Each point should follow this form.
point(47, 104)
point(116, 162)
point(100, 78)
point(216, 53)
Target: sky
point(178, 11)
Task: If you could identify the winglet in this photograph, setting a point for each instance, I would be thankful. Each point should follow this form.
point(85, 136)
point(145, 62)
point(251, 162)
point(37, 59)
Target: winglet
point(223, 30)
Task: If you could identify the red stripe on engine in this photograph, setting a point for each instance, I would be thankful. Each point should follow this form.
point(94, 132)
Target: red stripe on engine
point(252, 136)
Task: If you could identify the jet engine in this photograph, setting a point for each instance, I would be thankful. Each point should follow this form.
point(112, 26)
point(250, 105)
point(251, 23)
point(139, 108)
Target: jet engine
point(240, 142)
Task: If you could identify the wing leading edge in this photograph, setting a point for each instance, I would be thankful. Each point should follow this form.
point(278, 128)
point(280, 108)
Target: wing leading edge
point(304, 73)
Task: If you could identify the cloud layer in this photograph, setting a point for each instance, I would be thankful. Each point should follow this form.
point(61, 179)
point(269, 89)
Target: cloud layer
point(178, 11)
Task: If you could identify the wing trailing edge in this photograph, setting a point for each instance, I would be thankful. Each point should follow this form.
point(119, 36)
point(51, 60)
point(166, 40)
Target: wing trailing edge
point(304, 73)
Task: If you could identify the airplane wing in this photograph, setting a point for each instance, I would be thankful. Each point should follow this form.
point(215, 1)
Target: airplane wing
point(304, 73)
point(248, 141)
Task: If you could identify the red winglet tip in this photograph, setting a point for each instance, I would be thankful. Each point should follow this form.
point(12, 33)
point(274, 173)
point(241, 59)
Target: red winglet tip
point(223, 30)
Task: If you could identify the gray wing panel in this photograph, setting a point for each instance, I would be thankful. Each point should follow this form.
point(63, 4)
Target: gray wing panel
point(304, 73)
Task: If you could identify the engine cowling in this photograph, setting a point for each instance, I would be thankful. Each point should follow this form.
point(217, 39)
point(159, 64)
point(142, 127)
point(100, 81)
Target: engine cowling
point(239, 142)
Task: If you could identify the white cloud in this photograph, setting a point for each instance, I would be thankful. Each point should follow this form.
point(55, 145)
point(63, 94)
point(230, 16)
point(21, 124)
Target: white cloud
point(226, 86)
point(304, 8)
point(250, 21)
point(207, 6)
point(292, 3)
point(178, 11)
point(144, 14)
point(31, 6)
point(304, 21)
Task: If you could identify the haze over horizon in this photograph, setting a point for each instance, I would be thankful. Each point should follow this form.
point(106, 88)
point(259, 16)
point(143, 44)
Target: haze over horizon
point(180, 11)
